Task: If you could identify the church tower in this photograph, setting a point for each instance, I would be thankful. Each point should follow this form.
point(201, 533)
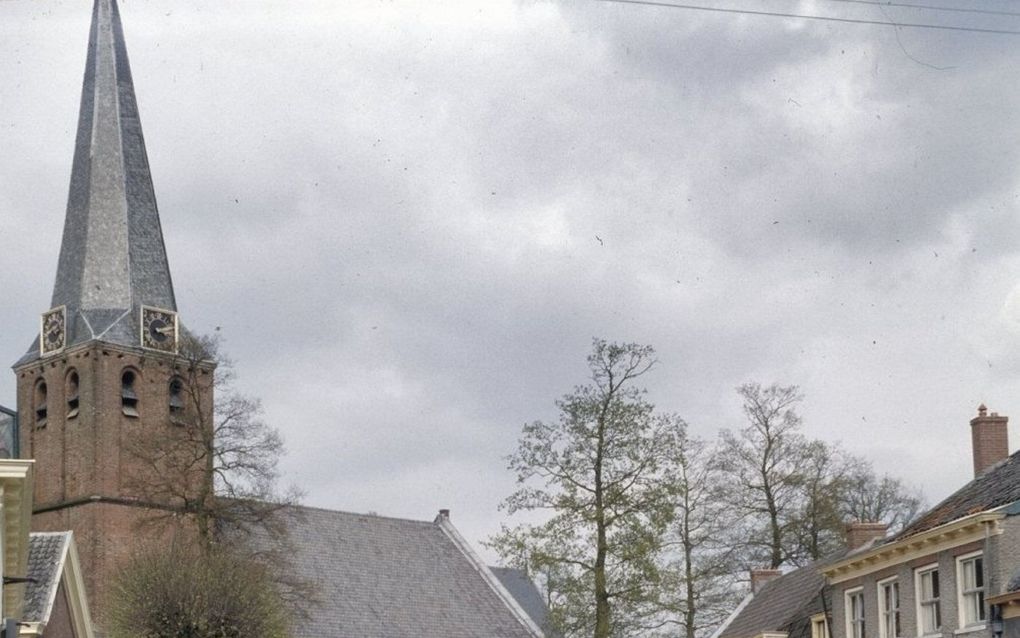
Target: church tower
point(104, 371)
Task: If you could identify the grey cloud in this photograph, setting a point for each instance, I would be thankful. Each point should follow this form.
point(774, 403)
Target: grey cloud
point(410, 224)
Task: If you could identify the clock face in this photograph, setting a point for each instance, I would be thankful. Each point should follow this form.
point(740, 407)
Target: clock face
point(53, 334)
point(159, 329)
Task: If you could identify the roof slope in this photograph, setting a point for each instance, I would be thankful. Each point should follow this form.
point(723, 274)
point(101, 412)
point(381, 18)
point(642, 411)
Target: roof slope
point(520, 586)
point(45, 563)
point(998, 485)
point(778, 604)
point(393, 578)
point(112, 258)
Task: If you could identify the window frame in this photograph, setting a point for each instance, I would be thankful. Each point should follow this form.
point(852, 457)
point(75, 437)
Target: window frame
point(962, 596)
point(851, 620)
point(934, 602)
point(819, 626)
point(883, 613)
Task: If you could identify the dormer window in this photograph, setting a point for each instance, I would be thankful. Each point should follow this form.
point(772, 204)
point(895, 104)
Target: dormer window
point(40, 404)
point(71, 392)
point(176, 397)
point(128, 396)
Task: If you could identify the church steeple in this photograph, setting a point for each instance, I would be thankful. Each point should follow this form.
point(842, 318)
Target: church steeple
point(112, 259)
point(103, 381)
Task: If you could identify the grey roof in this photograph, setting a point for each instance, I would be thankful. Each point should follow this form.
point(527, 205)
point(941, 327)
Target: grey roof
point(384, 577)
point(522, 588)
point(997, 486)
point(46, 551)
point(112, 259)
point(780, 605)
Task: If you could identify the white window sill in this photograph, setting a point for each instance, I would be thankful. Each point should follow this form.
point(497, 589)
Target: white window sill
point(970, 629)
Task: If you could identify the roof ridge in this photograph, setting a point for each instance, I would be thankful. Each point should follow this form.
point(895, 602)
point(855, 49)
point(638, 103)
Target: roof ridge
point(429, 523)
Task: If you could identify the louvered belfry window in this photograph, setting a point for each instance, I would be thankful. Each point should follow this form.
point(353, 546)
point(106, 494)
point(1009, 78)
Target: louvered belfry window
point(41, 408)
point(176, 397)
point(128, 395)
point(71, 392)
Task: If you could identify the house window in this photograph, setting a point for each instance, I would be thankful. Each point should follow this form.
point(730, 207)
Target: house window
point(819, 626)
point(929, 614)
point(970, 576)
point(128, 396)
point(855, 613)
point(889, 608)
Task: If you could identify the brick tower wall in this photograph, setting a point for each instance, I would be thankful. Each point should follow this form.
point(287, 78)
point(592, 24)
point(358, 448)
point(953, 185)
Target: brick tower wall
point(86, 476)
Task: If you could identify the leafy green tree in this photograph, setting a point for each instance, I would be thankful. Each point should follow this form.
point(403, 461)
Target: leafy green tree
point(603, 473)
point(192, 594)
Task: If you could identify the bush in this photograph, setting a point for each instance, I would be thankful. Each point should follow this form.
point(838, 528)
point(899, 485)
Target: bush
point(185, 594)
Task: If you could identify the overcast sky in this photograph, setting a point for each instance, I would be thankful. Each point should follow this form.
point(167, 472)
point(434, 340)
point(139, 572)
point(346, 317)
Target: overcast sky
point(410, 219)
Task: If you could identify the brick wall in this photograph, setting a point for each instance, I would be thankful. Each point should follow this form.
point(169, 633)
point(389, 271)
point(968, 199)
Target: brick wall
point(86, 478)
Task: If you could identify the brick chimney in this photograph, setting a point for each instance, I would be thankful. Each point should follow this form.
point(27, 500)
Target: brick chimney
point(761, 576)
point(860, 534)
point(989, 439)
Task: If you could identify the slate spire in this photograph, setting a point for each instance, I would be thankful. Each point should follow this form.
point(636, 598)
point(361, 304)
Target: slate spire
point(112, 259)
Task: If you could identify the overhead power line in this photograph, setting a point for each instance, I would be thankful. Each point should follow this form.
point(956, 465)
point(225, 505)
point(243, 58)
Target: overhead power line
point(777, 14)
point(931, 7)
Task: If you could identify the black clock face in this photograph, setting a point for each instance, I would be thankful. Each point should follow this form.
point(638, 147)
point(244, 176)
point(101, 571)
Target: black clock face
point(159, 329)
point(54, 331)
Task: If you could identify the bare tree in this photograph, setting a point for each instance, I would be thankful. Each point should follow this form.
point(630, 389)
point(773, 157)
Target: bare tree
point(216, 463)
point(798, 494)
point(868, 497)
point(698, 589)
point(764, 461)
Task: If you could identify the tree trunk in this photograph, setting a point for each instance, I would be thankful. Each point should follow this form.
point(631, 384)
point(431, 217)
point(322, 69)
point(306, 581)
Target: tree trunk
point(601, 543)
point(690, 606)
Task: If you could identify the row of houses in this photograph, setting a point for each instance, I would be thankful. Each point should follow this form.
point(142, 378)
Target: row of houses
point(953, 572)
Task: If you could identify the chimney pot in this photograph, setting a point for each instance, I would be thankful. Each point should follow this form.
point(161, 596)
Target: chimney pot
point(989, 435)
point(761, 576)
point(860, 534)
point(444, 513)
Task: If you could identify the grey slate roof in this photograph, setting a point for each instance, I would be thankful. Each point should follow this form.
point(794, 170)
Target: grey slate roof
point(378, 577)
point(780, 604)
point(46, 551)
point(112, 258)
point(521, 587)
point(997, 486)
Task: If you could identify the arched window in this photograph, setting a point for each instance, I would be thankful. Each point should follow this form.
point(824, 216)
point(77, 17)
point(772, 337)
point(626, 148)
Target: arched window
point(176, 397)
point(40, 404)
point(128, 396)
point(71, 392)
